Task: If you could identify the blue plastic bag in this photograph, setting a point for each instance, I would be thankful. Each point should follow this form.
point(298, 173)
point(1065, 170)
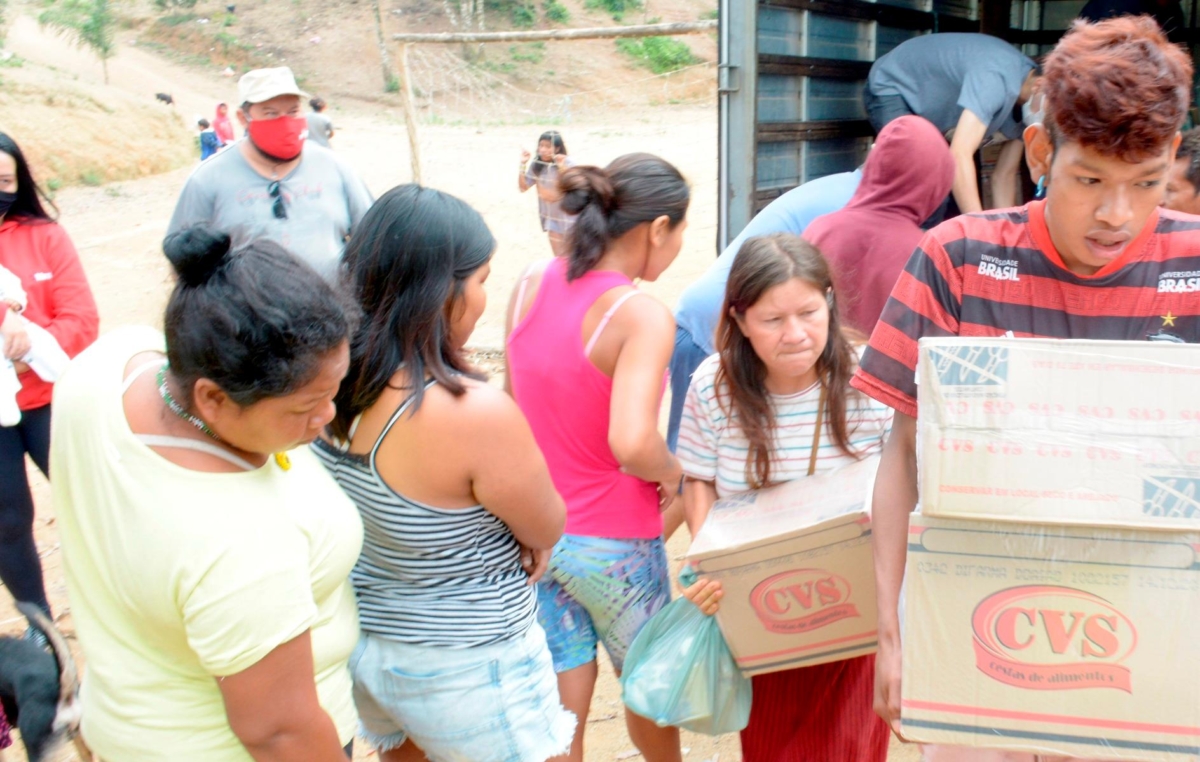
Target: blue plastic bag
point(680, 672)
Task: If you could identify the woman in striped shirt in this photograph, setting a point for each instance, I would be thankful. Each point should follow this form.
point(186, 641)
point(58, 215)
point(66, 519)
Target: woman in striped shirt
point(458, 509)
point(772, 405)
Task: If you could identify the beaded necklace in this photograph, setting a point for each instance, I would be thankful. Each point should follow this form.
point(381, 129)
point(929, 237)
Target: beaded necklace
point(177, 409)
point(281, 458)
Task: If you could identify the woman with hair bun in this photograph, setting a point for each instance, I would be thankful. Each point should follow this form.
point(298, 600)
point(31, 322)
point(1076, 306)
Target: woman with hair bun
point(208, 560)
point(587, 360)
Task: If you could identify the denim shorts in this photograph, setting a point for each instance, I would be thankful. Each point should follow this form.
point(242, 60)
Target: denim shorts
point(496, 703)
point(600, 590)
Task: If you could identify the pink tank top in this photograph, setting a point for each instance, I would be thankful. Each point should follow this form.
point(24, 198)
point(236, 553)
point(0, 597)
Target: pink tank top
point(566, 400)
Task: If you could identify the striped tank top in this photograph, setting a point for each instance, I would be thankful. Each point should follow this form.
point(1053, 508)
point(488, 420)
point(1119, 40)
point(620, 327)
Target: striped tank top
point(428, 576)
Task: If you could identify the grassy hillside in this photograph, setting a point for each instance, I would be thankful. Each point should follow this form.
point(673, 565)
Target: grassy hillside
point(78, 133)
point(333, 45)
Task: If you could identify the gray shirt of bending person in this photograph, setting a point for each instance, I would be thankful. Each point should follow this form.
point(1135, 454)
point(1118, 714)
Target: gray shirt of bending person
point(940, 75)
point(322, 197)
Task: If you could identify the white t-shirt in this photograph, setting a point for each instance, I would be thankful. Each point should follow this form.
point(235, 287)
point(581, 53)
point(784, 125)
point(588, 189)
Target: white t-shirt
point(713, 448)
point(177, 577)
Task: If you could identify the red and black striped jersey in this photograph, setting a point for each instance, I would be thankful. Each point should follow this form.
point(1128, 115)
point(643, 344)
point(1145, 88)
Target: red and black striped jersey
point(998, 272)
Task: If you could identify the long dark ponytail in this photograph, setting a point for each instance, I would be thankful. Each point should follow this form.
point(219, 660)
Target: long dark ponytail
point(762, 263)
point(609, 202)
point(406, 265)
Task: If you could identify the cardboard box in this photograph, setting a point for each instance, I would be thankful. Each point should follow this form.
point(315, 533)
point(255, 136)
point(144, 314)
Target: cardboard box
point(796, 566)
point(1078, 432)
point(1055, 640)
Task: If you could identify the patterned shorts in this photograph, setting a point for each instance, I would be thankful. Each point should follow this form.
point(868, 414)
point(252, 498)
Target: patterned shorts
point(600, 590)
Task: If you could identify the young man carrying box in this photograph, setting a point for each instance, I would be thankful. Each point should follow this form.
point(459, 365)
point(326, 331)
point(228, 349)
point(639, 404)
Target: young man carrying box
point(1096, 260)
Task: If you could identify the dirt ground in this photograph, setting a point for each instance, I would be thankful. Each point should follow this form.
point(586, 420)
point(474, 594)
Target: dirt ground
point(118, 229)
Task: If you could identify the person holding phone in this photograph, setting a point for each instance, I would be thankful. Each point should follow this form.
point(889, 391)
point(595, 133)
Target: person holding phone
point(543, 172)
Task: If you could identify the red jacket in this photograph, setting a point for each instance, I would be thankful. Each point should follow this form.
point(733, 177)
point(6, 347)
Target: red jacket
point(906, 177)
point(43, 257)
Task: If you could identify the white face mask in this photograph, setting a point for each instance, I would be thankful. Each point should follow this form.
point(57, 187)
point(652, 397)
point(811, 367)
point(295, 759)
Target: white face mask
point(1033, 111)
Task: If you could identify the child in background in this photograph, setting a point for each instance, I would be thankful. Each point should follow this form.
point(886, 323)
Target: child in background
point(320, 127)
point(543, 174)
point(222, 126)
point(45, 357)
point(209, 142)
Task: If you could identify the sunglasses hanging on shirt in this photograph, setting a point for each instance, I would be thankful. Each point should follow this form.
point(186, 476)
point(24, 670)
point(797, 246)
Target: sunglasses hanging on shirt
point(277, 208)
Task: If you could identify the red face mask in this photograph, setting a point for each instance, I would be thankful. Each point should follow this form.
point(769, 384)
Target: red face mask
point(281, 138)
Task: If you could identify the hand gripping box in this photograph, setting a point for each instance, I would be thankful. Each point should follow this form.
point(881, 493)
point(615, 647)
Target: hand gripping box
point(1055, 640)
point(796, 566)
point(1077, 432)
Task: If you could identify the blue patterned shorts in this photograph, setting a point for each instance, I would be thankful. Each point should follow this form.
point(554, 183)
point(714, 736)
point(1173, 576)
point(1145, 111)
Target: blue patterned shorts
point(600, 590)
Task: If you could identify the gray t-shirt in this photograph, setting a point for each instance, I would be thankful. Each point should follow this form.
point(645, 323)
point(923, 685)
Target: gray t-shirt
point(323, 198)
point(320, 128)
point(939, 75)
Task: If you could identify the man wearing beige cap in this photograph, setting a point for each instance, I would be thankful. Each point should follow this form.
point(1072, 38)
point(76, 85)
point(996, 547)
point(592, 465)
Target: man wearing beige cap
point(273, 184)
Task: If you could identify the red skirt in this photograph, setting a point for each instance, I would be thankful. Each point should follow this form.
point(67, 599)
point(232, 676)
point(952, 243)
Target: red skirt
point(5, 731)
point(816, 714)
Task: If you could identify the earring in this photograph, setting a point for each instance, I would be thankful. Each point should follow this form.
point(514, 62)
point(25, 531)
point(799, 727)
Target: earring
point(1041, 188)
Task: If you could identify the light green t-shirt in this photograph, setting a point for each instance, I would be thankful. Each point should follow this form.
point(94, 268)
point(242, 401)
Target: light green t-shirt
point(178, 576)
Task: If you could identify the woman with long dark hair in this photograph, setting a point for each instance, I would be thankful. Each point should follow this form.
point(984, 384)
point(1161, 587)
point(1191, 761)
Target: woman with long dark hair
point(543, 173)
point(587, 362)
point(774, 404)
point(459, 508)
point(208, 560)
point(41, 258)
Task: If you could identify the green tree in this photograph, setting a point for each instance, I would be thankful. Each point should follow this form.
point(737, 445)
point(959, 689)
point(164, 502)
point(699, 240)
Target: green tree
point(3, 28)
point(91, 23)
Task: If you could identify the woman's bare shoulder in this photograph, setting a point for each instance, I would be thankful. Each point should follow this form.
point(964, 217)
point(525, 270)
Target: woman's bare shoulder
point(480, 406)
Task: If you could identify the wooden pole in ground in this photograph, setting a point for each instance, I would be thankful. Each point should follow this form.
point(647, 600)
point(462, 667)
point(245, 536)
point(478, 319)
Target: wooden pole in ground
point(641, 30)
point(410, 114)
point(384, 59)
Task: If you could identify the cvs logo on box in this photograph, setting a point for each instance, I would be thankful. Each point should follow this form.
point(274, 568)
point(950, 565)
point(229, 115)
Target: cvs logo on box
point(1049, 638)
point(802, 600)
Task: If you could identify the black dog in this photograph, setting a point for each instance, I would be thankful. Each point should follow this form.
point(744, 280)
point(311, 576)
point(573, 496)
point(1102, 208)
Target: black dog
point(39, 691)
point(165, 98)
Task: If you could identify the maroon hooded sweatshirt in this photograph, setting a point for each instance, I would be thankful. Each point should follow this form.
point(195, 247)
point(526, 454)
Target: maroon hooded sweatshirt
point(907, 175)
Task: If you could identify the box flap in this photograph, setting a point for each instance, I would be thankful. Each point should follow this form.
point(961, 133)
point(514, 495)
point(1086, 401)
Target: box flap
point(1076, 387)
point(804, 505)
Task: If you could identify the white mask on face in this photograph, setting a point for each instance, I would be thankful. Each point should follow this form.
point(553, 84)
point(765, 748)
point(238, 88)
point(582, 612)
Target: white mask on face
point(1033, 111)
